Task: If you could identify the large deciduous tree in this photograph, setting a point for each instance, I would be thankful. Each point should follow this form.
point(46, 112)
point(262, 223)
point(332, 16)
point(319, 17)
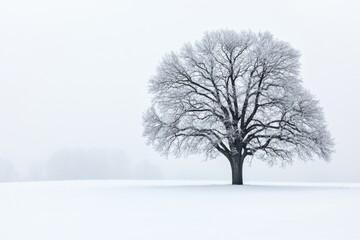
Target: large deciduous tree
point(238, 94)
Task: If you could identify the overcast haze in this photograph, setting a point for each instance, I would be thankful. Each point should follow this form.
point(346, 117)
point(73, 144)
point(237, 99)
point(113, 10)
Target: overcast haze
point(74, 75)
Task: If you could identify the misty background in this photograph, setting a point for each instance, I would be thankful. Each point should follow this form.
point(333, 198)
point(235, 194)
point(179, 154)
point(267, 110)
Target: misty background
point(74, 79)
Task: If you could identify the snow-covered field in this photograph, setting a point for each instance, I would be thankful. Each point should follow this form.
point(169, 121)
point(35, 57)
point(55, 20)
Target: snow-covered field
point(115, 209)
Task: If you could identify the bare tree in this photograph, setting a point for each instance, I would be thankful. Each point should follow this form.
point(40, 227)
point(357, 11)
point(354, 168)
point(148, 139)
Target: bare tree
point(238, 94)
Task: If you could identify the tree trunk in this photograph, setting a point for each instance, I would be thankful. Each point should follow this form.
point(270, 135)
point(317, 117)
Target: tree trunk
point(236, 163)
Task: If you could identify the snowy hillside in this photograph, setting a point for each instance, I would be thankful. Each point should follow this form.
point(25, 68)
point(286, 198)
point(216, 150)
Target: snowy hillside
point(113, 209)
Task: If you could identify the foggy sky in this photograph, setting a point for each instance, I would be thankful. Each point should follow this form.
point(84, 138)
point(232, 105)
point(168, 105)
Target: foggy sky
point(74, 74)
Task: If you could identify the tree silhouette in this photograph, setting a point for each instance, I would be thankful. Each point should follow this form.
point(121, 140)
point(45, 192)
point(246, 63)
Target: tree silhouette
point(238, 94)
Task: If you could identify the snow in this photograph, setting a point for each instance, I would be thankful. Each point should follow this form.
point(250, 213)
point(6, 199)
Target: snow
point(118, 209)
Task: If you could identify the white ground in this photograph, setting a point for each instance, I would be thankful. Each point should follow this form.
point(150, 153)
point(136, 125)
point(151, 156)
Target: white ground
point(112, 209)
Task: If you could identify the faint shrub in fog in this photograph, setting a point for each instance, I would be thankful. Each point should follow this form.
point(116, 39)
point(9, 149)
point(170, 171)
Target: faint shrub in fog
point(91, 163)
point(78, 163)
point(7, 171)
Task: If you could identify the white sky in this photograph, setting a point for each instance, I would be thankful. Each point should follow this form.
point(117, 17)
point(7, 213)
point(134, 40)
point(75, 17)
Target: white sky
point(75, 74)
